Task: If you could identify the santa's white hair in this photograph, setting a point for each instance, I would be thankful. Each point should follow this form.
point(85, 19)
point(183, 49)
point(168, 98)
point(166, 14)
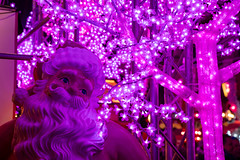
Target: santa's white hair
point(79, 58)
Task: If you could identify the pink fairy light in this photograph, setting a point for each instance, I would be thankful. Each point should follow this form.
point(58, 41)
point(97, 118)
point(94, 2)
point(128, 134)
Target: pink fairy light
point(132, 126)
point(150, 130)
point(146, 142)
point(159, 140)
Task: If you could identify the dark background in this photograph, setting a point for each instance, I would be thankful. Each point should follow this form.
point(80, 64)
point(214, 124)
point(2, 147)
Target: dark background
point(24, 7)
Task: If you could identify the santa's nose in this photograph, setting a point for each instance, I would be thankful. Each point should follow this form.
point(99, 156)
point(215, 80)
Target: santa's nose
point(52, 88)
point(58, 92)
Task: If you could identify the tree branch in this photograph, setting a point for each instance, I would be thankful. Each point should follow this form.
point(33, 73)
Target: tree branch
point(228, 72)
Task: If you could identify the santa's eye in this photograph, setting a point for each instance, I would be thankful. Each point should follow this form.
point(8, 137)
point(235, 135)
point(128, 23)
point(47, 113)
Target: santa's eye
point(84, 91)
point(64, 80)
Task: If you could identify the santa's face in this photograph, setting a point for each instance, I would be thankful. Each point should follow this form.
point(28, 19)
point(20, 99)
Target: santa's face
point(73, 81)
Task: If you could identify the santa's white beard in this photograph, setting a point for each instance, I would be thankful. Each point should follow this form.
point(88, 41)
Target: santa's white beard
point(57, 128)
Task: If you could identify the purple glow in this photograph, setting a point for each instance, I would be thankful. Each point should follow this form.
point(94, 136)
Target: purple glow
point(12, 5)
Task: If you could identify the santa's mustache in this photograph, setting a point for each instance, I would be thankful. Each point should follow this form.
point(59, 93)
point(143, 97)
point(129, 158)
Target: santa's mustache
point(61, 95)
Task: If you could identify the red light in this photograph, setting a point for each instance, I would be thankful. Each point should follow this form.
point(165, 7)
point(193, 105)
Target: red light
point(197, 139)
point(196, 115)
point(233, 108)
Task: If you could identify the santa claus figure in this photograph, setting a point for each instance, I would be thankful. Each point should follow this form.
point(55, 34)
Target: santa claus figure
point(59, 121)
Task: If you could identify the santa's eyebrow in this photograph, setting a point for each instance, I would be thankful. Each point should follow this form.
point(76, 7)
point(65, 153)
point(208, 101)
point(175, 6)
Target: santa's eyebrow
point(68, 72)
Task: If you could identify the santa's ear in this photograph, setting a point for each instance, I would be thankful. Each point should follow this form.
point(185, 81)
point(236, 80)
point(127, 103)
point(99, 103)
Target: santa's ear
point(71, 44)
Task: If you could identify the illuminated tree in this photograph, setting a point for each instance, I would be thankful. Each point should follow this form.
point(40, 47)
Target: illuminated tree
point(133, 39)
